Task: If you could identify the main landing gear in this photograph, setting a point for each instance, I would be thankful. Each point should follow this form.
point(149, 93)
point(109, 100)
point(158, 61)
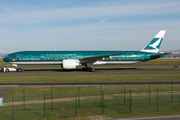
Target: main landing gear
point(88, 67)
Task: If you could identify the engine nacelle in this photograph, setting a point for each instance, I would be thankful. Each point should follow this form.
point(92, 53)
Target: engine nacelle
point(70, 64)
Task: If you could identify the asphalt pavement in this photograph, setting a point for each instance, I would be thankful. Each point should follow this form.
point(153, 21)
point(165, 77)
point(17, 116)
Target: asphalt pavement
point(121, 70)
point(166, 117)
point(94, 83)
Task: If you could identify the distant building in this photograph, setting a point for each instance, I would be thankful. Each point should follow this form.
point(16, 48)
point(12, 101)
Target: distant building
point(174, 55)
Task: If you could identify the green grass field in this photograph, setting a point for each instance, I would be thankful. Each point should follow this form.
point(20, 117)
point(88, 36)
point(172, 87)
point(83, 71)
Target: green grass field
point(63, 105)
point(89, 77)
point(63, 97)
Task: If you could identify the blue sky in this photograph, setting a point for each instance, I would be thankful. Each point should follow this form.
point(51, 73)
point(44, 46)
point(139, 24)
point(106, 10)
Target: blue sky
point(87, 24)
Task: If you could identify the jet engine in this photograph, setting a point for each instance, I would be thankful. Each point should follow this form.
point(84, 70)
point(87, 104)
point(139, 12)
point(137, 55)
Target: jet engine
point(70, 64)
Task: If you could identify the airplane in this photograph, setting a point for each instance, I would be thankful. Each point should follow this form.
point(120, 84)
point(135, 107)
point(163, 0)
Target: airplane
point(73, 59)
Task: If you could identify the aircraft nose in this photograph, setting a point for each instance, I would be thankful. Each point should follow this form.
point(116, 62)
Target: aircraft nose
point(5, 59)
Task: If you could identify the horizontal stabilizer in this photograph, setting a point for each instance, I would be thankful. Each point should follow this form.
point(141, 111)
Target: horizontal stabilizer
point(158, 55)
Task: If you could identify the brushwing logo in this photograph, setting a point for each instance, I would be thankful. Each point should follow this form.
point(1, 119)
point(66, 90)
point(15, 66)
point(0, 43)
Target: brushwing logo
point(154, 45)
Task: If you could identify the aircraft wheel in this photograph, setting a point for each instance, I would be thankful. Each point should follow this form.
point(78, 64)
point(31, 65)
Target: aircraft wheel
point(84, 69)
point(91, 70)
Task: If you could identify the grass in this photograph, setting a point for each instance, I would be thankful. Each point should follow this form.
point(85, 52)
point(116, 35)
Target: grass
point(91, 108)
point(37, 92)
point(89, 77)
point(172, 60)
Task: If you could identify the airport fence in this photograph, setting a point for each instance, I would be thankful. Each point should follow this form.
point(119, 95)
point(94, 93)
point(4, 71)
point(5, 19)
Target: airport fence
point(36, 102)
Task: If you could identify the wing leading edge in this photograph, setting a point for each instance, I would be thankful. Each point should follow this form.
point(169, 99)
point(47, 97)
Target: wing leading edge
point(94, 59)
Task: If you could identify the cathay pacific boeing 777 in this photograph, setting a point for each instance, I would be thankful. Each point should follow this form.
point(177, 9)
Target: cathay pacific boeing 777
point(72, 59)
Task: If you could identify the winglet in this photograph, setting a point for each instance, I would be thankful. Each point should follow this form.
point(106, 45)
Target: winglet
point(155, 43)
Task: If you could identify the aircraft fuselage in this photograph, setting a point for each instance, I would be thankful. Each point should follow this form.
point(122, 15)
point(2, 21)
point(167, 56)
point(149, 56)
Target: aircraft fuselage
point(56, 57)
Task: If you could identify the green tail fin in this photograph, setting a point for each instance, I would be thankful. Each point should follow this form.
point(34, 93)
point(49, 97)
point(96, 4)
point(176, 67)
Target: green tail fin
point(155, 43)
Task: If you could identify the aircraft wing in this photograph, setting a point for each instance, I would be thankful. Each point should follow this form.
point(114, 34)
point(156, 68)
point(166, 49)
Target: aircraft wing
point(158, 55)
point(94, 59)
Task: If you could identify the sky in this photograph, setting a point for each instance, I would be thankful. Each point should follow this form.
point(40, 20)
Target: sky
point(87, 24)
